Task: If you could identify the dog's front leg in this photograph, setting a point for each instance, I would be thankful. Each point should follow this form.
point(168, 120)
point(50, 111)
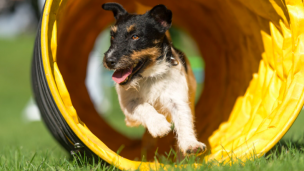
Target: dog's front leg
point(184, 127)
point(156, 123)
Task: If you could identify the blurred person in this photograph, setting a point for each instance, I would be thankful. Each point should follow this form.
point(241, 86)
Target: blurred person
point(19, 16)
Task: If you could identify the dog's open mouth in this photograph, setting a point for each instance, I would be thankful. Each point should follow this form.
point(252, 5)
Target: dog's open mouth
point(123, 76)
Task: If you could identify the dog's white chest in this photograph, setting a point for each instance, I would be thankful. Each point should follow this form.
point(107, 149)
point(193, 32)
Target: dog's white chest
point(161, 90)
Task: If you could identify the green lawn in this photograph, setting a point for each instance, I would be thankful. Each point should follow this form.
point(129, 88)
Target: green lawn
point(29, 146)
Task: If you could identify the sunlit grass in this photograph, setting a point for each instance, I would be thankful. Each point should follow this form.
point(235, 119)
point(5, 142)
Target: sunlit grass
point(284, 156)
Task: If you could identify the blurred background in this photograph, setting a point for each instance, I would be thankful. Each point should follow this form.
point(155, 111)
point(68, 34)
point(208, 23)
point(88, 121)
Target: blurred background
point(21, 129)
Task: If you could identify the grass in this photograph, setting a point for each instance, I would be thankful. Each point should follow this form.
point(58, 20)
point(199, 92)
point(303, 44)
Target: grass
point(29, 146)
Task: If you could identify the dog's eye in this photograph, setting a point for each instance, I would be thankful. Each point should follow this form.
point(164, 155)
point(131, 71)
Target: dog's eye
point(135, 37)
point(112, 37)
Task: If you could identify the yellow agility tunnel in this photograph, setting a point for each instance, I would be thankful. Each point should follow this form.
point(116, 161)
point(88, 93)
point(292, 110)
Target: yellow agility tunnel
point(254, 76)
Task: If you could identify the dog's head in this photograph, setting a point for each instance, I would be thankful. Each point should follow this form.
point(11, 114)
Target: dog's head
point(136, 41)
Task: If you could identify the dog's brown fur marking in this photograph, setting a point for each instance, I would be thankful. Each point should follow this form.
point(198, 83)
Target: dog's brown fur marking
point(152, 52)
point(130, 28)
point(192, 87)
point(114, 29)
point(156, 41)
point(168, 36)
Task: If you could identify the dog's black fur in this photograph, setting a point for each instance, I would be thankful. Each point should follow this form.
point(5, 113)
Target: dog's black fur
point(148, 31)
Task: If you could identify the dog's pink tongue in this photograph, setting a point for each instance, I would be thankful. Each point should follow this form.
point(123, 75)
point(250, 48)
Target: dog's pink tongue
point(121, 75)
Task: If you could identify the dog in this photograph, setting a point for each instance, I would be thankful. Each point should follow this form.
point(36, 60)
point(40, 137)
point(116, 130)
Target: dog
point(154, 80)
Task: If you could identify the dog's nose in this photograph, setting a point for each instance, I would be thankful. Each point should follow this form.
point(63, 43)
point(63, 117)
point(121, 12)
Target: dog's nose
point(111, 62)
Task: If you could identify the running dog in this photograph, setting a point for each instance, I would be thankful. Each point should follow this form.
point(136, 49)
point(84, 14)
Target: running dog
point(154, 81)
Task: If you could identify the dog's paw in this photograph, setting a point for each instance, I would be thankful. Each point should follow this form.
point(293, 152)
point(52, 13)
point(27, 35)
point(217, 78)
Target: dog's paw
point(158, 126)
point(131, 123)
point(196, 148)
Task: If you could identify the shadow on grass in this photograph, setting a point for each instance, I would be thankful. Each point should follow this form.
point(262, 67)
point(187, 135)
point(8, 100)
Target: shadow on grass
point(286, 146)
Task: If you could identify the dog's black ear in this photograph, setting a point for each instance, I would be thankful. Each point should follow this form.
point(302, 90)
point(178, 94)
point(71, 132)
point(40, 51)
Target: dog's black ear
point(116, 8)
point(162, 16)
